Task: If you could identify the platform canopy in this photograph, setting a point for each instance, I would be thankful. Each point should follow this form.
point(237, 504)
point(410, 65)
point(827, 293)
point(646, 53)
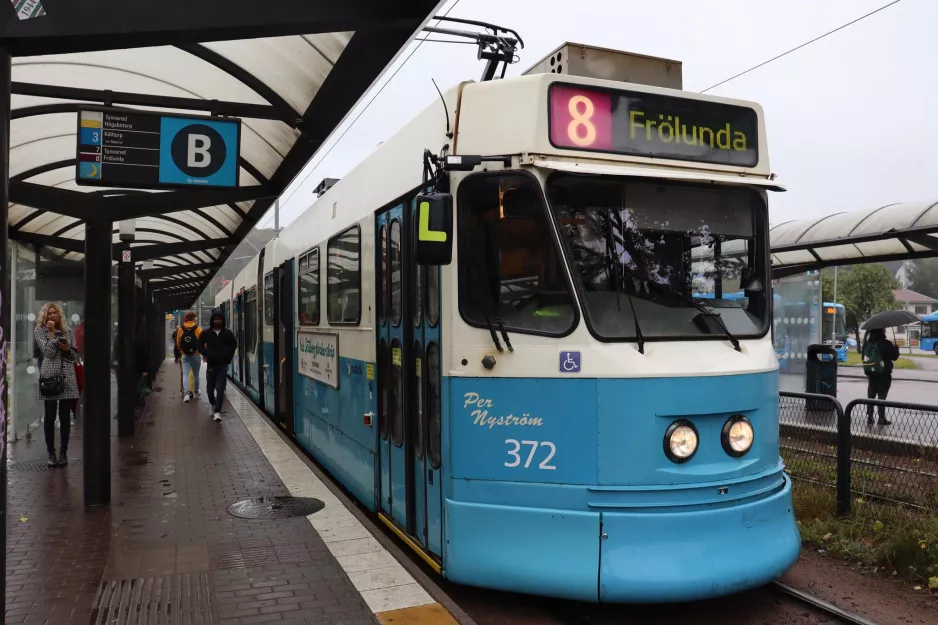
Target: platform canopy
point(290, 70)
point(898, 231)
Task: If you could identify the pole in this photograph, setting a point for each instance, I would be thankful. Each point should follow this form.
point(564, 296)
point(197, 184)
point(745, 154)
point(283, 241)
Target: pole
point(908, 328)
point(126, 339)
point(835, 285)
point(5, 283)
point(97, 435)
point(277, 216)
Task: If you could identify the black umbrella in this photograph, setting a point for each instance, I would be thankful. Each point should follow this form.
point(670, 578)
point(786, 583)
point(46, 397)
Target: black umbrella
point(890, 319)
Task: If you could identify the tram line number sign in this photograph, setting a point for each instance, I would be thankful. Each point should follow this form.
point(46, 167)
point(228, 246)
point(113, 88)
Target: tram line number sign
point(652, 125)
point(143, 150)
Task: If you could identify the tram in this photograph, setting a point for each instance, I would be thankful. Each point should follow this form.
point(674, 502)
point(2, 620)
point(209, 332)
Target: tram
point(504, 333)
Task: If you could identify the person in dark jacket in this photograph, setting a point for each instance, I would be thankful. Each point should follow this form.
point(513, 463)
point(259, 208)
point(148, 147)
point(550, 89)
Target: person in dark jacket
point(218, 346)
point(879, 383)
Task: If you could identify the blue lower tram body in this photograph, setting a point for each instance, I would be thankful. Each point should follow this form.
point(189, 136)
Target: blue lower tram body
point(643, 556)
point(606, 517)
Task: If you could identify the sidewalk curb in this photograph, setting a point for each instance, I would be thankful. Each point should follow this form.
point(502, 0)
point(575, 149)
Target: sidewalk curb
point(894, 379)
point(391, 545)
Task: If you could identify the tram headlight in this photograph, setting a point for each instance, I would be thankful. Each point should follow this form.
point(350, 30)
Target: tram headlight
point(737, 436)
point(680, 441)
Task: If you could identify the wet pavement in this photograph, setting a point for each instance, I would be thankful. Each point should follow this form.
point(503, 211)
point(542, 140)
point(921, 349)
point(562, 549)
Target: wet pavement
point(166, 544)
point(919, 426)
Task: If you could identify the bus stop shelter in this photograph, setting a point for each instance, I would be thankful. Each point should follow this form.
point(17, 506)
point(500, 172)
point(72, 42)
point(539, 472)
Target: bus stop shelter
point(284, 73)
point(899, 231)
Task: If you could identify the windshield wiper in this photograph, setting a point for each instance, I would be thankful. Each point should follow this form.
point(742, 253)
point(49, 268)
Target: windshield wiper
point(488, 324)
point(493, 305)
point(501, 328)
point(617, 277)
point(709, 313)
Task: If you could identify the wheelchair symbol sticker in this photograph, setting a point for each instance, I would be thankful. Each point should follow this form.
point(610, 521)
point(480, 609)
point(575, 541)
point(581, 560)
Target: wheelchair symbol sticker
point(569, 362)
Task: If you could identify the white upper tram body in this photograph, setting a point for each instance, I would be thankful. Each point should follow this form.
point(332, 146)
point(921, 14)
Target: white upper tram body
point(510, 117)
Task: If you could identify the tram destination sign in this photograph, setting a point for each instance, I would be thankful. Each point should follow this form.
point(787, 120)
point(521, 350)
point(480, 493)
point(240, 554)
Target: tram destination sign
point(135, 149)
point(652, 125)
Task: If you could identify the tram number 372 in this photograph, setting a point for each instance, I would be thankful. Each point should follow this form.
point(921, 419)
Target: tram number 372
point(516, 447)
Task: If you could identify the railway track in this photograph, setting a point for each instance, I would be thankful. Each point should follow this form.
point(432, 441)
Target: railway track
point(819, 605)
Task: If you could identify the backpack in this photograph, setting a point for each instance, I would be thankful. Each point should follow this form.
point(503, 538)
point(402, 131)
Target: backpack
point(188, 341)
point(873, 363)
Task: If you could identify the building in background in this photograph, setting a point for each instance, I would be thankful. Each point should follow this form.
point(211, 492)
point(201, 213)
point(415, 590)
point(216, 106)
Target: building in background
point(918, 304)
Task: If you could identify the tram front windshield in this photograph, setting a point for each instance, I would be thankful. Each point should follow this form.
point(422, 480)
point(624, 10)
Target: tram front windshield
point(656, 247)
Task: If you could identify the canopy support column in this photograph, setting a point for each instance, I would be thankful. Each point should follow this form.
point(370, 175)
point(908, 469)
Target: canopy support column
point(97, 391)
point(5, 72)
point(126, 340)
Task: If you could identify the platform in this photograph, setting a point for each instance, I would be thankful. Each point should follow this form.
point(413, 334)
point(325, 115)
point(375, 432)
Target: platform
point(168, 551)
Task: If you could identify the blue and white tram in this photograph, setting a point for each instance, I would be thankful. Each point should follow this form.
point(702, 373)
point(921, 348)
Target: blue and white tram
point(519, 355)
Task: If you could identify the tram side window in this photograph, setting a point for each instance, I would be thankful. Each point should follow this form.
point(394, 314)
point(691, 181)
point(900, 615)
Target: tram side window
point(308, 288)
point(509, 265)
point(250, 319)
point(344, 278)
point(269, 299)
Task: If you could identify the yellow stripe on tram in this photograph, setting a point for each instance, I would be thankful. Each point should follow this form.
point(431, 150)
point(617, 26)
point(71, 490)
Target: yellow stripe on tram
point(410, 543)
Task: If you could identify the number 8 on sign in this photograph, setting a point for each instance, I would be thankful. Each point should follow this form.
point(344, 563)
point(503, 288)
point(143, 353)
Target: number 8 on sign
point(581, 121)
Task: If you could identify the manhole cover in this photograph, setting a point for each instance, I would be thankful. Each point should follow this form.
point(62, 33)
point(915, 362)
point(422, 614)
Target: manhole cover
point(275, 507)
point(38, 465)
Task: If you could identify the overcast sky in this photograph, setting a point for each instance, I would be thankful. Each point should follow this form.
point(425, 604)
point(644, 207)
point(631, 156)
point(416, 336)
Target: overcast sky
point(850, 119)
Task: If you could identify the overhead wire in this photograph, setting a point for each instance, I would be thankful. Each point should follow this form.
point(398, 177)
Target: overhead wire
point(807, 43)
point(370, 102)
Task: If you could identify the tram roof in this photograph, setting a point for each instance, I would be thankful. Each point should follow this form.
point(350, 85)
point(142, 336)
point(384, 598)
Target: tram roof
point(291, 71)
point(897, 231)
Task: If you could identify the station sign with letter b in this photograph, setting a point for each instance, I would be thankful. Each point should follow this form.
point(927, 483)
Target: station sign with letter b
point(197, 152)
point(139, 149)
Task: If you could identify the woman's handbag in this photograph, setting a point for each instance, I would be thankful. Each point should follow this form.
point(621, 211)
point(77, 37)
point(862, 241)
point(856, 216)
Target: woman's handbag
point(55, 385)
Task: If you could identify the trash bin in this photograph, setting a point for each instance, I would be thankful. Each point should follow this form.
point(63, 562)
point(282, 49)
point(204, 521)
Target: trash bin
point(821, 375)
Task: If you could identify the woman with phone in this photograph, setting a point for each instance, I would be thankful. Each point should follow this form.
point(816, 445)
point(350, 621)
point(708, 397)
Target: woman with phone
point(58, 386)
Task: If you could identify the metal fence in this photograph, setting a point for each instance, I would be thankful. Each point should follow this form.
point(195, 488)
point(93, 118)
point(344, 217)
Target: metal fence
point(893, 463)
point(814, 440)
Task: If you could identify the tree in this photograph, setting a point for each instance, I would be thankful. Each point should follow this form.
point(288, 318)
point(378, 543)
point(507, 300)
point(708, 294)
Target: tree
point(864, 290)
point(922, 276)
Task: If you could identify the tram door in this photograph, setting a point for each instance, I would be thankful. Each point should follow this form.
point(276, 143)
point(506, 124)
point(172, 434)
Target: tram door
point(262, 369)
point(391, 365)
point(408, 375)
point(234, 324)
point(242, 343)
point(283, 344)
point(425, 411)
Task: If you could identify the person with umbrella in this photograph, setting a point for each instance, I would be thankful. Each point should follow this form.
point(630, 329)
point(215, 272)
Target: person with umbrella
point(879, 354)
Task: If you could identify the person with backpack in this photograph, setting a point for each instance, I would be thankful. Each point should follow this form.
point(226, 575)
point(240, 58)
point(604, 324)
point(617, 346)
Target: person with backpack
point(188, 348)
point(218, 345)
point(879, 354)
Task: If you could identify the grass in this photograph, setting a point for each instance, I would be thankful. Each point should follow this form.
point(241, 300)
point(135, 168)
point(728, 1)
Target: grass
point(855, 360)
point(891, 540)
point(898, 540)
